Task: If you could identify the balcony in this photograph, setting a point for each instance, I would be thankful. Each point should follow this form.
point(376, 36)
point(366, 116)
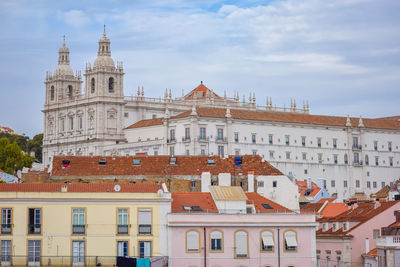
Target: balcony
point(144, 229)
point(6, 228)
point(391, 241)
point(186, 139)
point(356, 147)
point(221, 140)
point(171, 141)
point(204, 139)
point(78, 229)
point(34, 228)
point(357, 163)
point(123, 229)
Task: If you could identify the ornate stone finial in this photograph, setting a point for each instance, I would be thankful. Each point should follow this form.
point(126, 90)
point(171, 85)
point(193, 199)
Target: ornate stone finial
point(170, 94)
point(138, 90)
point(166, 114)
point(250, 98)
point(142, 90)
point(284, 107)
point(308, 106)
point(194, 111)
point(270, 101)
point(267, 103)
point(291, 103)
point(348, 122)
point(225, 94)
point(361, 123)
point(183, 93)
point(228, 113)
point(64, 45)
point(201, 82)
point(304, 106)
point(166, 93)
point(254, 97)
point(294, 104)
point(244, 99)
point(104, 33)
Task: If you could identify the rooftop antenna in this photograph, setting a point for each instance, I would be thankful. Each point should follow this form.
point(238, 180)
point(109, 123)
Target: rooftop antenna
point(104, 34)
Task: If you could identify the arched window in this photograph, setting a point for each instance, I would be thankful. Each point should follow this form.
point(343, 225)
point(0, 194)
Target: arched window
point(69, 91)
point(346, 160)
point(267, 241)
point(52, 93)
point(192, 241)
point(290, 240)
point(366, 160)
point(216, 241)
point(241, 246)
point(111, 85)
point(92, 85)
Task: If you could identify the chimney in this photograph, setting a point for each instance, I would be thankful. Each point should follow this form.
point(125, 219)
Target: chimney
point(164, 187)
point(224, 179)
point(366, 245)
point(377, 204)
point(205, 182)
point(64, 188)
point(250, 181)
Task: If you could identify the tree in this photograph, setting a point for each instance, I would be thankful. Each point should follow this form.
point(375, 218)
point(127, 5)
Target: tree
point(12, 158)
point(35, 145)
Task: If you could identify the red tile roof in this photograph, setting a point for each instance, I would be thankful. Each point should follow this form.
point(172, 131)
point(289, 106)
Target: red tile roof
point(372, 253)
point(332, 210)
point(204, 200)
point(258, 200)
point(146, 123)
point(2, 171)
point(159, 165)
point(201, 92)
point(322, 200)
point(105, 187)
point(311, 192)
point(288, 117)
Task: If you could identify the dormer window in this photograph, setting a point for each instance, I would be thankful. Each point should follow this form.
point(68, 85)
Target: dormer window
point(172, 161)
point(65, 163)
point(211, 161)
point(325, 227)
point(102, 161)
point(346, 226)
point(136, 162)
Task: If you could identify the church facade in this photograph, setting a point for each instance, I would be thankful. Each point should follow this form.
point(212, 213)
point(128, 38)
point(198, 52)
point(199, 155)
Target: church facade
point(351, 155)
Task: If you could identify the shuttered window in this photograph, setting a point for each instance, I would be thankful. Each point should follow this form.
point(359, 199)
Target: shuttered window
point(241, 244)
point(192, 241)
point(267, 240)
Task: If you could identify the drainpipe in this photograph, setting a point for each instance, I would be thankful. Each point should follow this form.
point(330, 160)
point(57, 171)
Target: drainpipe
point(279, 249)
point(205, 248)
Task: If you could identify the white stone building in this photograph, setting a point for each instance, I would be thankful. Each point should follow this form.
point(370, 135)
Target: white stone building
point(351, 154)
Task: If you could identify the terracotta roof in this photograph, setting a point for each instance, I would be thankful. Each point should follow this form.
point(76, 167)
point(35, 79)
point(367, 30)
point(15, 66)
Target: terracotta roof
point(311, 207)
point(227, 193)
point(382, 193)
point(159, 165)
point(308, 192)
point(288, 117)
point(332, 210)
point(361, 214)
point(2, 171)
point(201, 92)
point(259, 200)
point(80, 187)
point(146, 123)
point(190, 199)
point(372, 253)
point(322, 200)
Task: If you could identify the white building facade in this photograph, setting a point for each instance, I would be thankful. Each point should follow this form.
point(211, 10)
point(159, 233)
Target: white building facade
point(351, 154)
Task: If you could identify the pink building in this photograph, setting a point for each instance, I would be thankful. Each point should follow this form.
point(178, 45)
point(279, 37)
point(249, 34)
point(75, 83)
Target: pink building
point(227, 227)
point(342, 240)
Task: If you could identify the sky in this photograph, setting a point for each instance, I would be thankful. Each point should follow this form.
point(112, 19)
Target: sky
point(343, 56)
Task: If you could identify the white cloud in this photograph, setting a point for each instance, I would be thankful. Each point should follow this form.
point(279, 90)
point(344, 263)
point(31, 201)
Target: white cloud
point(76, 18)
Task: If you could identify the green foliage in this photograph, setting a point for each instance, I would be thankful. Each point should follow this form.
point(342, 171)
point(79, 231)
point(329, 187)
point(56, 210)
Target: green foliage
point(27, 146)
point(12, 158)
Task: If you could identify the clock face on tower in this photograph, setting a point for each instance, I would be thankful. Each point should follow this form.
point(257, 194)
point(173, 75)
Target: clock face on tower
point(117, 188)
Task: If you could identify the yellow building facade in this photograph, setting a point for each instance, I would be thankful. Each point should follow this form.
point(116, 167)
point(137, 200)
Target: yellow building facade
point(81, 224)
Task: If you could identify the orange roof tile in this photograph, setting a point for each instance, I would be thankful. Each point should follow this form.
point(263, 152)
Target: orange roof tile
point(334, 209)
point(287, 117)
point(203, 200)
point(309, 192)
point(372, 253)
point(80, 187)
point(322, 200)
point(146, 123)
point(159, 165)
point(200, 92)
point(258, 200)
point(382, 193)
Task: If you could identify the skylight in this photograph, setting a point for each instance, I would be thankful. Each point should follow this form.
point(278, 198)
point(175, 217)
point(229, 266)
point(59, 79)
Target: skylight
point(267, 206)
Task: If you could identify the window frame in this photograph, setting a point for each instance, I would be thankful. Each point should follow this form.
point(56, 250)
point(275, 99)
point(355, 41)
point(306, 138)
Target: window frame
point(72, 220)
point(40, 255)
point(11, 223)
point(41, 220)
point(10, 263)
point(151, 220)
point(111, 85)
point(284, 240)
point(186, 241)
point(247, 244)
point(210, 250)
point(151, 248)
point(261, 241)
point(127, 218)
point(84, 253)
point(117, 247)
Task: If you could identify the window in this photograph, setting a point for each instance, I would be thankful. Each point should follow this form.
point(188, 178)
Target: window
point(376, 161)
point(62, 124)
point(69, 92)
point(241, 244)
point(374, 184)
point(287, 155)
point(254, 152)
point(193, 184)
point(203, 152)
point(187, 152)
point(358, 183)
point(187, 133)
point(171, 150)
point(334, 143)
point(303, 141)
point(123, 221)
point(355, 142)
point(35, 220)
point(172, 134)
point(92, 85)
point(267, 241)
point(391, 161)
point(80, 121)
point(335, 159)
point(155, 152)
point(319, 141)
point(192, 241)
point(237, 152)
point(52, 93)
point(320, 157)
point(34, 248)
point(6, 221)
point(356, 158)
point(71, 123)
point(253, 138)
point(270, 139)
point(202, 133)
point(346, 160)
point(216, 241)
point(260, 184)
point(126, 114)
point(78, 252)
point(287, 140)
point(271, 154)
point(78, 221)
point(375, 145)
point(220, 150)
point(390, 146)
point(274, 184)
point(332, 183)
point(145, 222)
point(111, 85)
point(305, 171)
point(220, 134)
point(382, 184)
point(290, 240)
point(144, 249)
point(368, 184)
point(376, 233)
point(366, 160)
point(6, 252)
point(236, 136)
point(304, 156)
point(345, 183)
point(122, 248)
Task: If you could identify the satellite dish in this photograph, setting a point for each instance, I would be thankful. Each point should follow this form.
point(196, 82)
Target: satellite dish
point(117, 188)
